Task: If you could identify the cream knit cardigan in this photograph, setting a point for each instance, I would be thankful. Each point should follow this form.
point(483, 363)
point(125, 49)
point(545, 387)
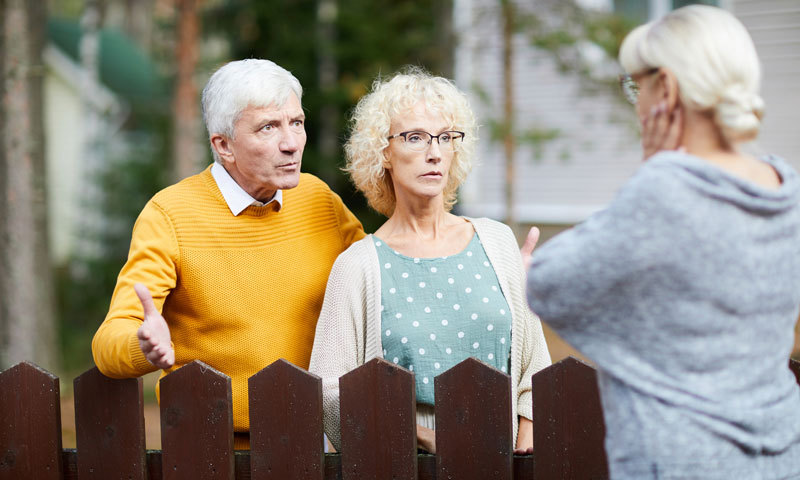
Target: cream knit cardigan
point(349, 328)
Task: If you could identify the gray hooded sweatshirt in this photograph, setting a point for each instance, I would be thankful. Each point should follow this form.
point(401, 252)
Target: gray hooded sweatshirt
point(685, 292)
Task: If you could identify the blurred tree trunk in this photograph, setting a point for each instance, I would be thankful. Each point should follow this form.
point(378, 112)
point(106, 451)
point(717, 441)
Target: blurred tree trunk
point(27, 320)
point(509, 146)
point(327, 80)
point(188, 149)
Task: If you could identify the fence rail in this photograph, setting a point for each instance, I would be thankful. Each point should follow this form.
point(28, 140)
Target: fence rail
point(473, 418)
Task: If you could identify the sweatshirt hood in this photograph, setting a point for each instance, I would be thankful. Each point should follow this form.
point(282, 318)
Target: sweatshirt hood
point(714, 182)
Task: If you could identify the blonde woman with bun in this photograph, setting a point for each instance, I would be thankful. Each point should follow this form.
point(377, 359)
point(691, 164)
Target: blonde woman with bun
point(685, 290)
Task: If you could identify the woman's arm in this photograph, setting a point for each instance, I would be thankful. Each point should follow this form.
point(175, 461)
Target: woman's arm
point(339, 340)
point(524, 437)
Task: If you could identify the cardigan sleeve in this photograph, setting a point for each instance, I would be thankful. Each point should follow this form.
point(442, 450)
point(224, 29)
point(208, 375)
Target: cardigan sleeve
point(339, 343)
point(152, 261)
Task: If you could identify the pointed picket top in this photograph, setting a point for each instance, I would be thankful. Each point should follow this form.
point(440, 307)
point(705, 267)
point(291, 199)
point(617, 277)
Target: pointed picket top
point(30, 423)
point(109, 420)
point(794, 366)
point(378, 421)
point(285, 423)
point(196, 423)
point(568, 427)
point(473, 422)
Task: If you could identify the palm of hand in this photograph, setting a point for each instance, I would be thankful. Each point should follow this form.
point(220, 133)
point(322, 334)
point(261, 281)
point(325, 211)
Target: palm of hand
point(154, 336)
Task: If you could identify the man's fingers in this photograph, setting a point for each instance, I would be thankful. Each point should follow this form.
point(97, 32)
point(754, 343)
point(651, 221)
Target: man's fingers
point(147, 300)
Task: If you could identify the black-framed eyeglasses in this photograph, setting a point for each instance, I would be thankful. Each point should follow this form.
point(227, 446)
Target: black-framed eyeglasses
point(418, 140)
point(630, 87)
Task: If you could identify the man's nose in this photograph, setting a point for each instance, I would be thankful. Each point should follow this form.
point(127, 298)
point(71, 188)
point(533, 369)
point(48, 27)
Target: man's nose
point(290, 142)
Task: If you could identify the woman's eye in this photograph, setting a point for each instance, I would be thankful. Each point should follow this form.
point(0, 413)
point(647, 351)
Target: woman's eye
point(444, 138)
point(414, 138)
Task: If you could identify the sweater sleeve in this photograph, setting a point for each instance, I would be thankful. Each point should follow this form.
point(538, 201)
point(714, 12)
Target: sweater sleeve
point(349, 226)
point(152, 261)
point(570, 274)
point(339, 342)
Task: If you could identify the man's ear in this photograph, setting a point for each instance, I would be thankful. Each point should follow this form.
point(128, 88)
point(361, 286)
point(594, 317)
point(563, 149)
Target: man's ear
point(222, 145)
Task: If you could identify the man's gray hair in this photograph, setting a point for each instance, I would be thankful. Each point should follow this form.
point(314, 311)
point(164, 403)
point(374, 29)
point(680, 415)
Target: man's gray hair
point(241, 84)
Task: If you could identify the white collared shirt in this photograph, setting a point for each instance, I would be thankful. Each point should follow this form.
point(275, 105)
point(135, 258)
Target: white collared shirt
point(235, 196)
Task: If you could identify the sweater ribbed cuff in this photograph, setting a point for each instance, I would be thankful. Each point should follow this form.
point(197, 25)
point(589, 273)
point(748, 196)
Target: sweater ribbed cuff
point(138, 360)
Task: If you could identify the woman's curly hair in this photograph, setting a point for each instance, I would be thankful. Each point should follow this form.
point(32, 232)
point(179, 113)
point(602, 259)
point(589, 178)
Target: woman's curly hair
point(372, 120)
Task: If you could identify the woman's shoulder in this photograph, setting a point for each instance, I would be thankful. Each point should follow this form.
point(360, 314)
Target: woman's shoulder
point(486, 226)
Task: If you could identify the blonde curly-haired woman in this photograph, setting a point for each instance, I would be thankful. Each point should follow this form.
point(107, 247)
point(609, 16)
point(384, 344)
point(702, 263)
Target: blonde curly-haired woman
point(429, 288)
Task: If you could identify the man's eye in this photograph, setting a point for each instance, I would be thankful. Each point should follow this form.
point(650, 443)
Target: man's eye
point(297, 123)
point(267, 127)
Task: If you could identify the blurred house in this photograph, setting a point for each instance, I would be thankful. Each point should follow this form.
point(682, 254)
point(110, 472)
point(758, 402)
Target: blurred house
point(85, 116)
point(588, 142)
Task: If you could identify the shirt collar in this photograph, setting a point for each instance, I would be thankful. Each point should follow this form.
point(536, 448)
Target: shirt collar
point(235, 196)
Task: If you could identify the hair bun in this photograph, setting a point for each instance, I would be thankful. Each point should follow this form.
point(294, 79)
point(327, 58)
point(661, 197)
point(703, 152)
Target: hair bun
point(739, 112)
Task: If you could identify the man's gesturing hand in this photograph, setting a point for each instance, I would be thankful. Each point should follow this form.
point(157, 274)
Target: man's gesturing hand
point(154, 333)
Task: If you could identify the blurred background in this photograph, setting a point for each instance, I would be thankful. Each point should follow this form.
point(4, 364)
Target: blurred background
point(100, 110)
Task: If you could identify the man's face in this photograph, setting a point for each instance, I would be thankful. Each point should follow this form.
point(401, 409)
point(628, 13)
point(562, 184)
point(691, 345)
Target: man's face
point(265, 153)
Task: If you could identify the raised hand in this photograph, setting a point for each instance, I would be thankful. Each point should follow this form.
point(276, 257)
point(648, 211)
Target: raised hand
point(154, 339)
point(661, 129)
point(527, 248)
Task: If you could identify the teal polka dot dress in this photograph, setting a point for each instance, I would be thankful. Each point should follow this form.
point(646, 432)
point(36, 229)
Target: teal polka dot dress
point(436, 312)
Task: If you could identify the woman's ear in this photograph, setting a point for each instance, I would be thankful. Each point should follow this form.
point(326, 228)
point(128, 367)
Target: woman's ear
point(669, 86)
point(387, 164)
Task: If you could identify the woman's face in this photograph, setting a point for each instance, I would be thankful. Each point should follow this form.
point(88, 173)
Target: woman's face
point(424, 173)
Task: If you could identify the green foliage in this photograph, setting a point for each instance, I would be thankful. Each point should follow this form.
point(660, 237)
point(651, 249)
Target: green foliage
point(131, 175)
point(371, 38)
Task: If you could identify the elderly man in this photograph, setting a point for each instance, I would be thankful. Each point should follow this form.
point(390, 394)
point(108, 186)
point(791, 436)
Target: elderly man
point(230, 265)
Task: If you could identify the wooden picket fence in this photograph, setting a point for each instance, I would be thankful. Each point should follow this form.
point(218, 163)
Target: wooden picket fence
point(473, 419)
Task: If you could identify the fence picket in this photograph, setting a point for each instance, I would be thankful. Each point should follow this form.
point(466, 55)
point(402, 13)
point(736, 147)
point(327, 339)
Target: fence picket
point(378, 420)
point(30, 424)
point(285, 423)
point(473, 422)
point(196, 424)
point(568, 427)
point(109, 422)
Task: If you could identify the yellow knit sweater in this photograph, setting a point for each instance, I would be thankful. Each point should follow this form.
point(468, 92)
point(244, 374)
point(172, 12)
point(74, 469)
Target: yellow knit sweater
point(238, 292)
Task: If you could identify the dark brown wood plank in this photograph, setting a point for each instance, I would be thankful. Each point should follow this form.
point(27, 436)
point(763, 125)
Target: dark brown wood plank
point(794, 366)
point(523, 467)
point(473, 422)
point(333, 466)
point(426, 466)
point(196, 424)
point(69, 461)
point(30, 424)
point(285, 423)
point(568, 427)
point(109, 423)
point(378, 419)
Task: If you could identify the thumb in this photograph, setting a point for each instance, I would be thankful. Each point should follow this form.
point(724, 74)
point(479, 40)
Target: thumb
point(530, 242)
point(147, 300)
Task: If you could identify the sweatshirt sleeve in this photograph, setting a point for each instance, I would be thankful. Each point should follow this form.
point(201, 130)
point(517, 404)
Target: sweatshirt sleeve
point(339, 342)
point(572, 272)
point(152, 261)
